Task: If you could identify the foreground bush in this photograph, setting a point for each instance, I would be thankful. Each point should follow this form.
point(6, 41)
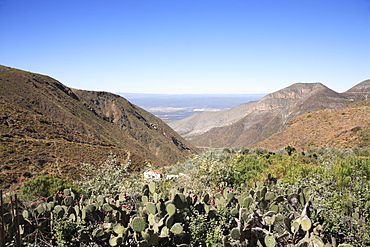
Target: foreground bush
point(45, 185)
point(103, 179)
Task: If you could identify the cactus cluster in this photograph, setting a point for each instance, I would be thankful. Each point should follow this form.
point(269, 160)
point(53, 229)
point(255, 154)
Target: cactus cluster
point(259, 217)
point(117, 220)
point(265, 218)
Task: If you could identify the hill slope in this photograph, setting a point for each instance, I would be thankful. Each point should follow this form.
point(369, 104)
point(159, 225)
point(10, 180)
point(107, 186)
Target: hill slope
point(342, 128)
point(97, 119)
point(360, 91)
point(255, 121)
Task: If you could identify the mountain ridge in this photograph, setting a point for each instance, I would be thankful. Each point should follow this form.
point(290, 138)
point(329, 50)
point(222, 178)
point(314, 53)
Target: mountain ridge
point(255, 122)
point(344, 127)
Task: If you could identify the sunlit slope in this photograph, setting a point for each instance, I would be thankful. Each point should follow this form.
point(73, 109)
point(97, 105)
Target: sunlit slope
point(342, 128)
point(99, 119)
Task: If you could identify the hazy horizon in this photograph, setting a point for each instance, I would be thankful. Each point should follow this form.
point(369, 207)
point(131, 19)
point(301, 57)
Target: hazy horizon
point(170, 107)
point(189, 47)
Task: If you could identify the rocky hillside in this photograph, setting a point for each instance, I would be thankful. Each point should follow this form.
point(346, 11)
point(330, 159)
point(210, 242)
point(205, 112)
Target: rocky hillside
point(342, 128)
point(253, 122)
point(359, 92)
point(45, 123)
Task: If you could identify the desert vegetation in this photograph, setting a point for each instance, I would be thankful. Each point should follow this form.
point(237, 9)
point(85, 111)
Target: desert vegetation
point(226, 197)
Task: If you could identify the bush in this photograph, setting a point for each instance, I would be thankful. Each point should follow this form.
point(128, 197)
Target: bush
point(104, 179)
point(45, 185)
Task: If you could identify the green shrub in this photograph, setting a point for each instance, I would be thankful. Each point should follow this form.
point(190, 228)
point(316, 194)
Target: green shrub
point(355, 129)
point(45, 185)
point(65, 232)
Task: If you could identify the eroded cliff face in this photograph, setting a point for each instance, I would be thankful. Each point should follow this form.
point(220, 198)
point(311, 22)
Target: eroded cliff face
point(258, 120)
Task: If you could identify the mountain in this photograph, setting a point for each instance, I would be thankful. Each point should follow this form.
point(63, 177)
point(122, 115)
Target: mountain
point(342, 128)
point(198, 124)
point(55, 114)
point(359, 92)
point(253, 122)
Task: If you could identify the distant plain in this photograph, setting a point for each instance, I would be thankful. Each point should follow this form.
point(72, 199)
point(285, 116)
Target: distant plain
point(171, 107)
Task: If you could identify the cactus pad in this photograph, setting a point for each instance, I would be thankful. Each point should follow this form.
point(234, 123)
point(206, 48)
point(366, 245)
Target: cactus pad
point(164, 232)
point(68, 201)
point(90, 208)
point(179, 201)
point(269, 196)
point(106, 207)
point(67, 192)
point(176, 229)
point(144, 199)
point(171, 209)
point(247, 202)
point(138, 224)
point(25, 214)
point(270, 241)
point(59, 211)
point(152, 187)
point(234, 212)
point(119, 229)
point(235, 233)
point(151, 208)
point(114, 241)
point(40, 209)
point(305, 223)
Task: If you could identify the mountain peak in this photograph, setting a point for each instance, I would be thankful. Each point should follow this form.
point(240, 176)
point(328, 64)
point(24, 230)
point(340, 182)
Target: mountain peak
point(359, 92)
point(362, 87)
point(297, 90)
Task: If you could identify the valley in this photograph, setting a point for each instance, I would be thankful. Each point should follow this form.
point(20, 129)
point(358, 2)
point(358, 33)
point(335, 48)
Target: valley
point(289, 161)
point(42, 119)
point(172, 107)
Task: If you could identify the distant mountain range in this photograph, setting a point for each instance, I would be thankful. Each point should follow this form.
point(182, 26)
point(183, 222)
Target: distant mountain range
point(48, 127)
point(253, 122)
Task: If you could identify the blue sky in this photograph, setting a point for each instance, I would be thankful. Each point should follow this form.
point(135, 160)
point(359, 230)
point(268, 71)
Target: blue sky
point(186, 46)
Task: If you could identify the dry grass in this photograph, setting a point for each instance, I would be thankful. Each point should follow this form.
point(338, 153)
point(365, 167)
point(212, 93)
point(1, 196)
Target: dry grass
point(341, 128)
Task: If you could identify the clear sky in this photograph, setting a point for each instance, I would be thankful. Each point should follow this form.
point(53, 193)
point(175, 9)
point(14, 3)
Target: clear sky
point(189, 46)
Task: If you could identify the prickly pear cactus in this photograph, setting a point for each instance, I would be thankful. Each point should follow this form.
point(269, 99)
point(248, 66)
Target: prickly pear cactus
point(260, 216)
point(138, 224)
